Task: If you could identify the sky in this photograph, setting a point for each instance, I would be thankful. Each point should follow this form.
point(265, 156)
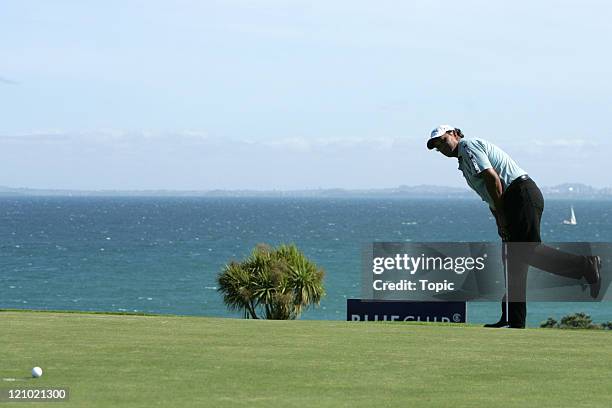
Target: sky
point(238, 94)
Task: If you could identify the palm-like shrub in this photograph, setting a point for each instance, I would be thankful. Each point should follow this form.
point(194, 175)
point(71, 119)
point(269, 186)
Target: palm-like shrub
point(280, 283)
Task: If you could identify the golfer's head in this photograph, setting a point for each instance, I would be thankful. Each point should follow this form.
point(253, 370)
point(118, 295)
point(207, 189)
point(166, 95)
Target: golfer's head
point(445, 139)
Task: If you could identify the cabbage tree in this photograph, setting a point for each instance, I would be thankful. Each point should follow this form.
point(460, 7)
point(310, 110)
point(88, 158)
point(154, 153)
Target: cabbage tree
point(273, 283)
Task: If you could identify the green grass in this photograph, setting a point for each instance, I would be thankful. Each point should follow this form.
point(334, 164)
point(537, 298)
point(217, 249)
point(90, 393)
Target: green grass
point(170, 361)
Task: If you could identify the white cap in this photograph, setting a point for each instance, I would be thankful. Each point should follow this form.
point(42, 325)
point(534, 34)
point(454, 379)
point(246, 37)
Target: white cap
point(437, 132)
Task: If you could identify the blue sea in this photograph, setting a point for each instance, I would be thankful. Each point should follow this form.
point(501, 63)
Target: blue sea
point(163, 255)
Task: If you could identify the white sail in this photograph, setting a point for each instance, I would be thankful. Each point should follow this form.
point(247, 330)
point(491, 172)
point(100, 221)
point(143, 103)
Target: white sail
point(572, 220)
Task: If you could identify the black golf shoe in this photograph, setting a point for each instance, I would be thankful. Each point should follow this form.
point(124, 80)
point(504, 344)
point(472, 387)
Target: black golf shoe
point(501, 324)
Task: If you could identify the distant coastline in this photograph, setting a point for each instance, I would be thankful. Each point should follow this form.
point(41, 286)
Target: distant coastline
point(563, 191)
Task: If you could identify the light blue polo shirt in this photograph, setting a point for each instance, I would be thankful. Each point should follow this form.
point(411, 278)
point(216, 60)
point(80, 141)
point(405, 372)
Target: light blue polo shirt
point(477, 155)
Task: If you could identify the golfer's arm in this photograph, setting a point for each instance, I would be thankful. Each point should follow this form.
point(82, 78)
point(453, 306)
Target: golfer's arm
point(494, 215)
point(494, 188)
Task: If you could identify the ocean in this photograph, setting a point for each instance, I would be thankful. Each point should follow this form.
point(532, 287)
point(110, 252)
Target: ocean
point(163, 255)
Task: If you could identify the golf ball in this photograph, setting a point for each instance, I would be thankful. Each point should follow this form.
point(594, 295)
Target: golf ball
point(36, 372)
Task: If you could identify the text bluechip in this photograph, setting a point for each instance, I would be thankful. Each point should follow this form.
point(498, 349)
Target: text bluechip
point(406, 311)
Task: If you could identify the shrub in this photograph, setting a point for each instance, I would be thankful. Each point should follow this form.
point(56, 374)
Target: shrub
point(575, 321)
point(550, 323)
point(276, 283)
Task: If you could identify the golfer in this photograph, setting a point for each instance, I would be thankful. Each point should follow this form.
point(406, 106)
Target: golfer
point(517, 205)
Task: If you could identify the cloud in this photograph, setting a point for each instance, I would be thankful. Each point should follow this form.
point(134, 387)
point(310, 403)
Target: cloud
point(328, 144)
point(574, 143)
point(7, 81)
point(194, 159)
point(108, 136)
point(537, 146)
point(46, 136)
point(135, 138)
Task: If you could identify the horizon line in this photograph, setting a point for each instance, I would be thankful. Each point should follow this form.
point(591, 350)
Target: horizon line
point(568, 185)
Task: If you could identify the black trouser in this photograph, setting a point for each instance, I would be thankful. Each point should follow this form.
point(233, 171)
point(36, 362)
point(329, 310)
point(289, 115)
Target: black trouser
point(523, 207)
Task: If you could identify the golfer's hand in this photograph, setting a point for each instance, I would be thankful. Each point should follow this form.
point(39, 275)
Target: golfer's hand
point(502, 227)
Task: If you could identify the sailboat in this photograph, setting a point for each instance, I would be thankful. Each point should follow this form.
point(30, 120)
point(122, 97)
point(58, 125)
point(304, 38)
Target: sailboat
point(572, 220)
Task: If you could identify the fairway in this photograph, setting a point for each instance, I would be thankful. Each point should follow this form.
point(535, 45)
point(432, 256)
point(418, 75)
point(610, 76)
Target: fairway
point(166, 361)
